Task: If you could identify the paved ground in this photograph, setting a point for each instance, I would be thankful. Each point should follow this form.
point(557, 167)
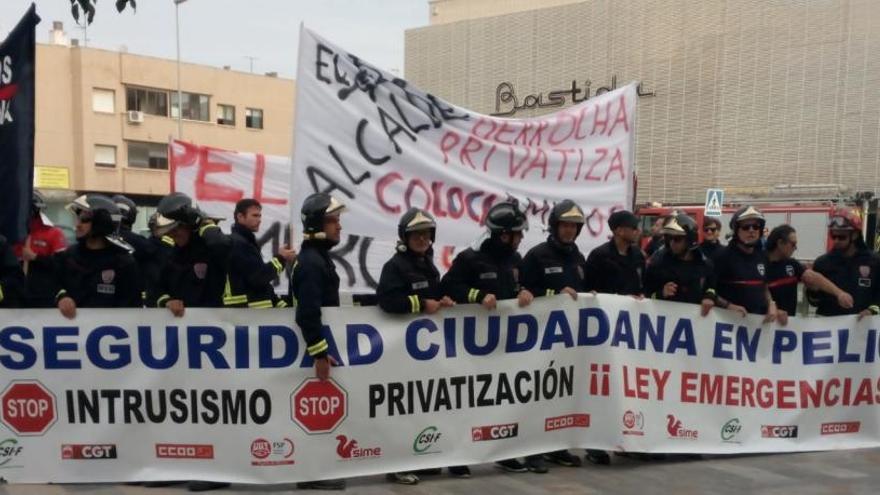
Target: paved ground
point(845, 472)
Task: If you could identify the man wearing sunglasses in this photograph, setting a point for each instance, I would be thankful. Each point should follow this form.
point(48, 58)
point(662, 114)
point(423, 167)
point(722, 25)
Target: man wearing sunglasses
point(850, 265)
point(784, 272)
point(741, 267)
point(711, 236)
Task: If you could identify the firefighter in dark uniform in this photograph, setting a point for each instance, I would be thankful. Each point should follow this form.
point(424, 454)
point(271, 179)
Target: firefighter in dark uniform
point(143, 249)
point(488, 272)
point(618, 266)
point(680, 271)
point(314, 284)
point(194, 275)
point(99, 270)
point(162, 246)
point(410, 284)
point(556, 266)
point(11, 277)
point(741, 267)
point(711, 236)
point(250, 279)
point(784, 272)
point(850, 265)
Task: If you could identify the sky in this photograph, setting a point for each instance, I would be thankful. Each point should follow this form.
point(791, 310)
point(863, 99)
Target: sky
point(227, 32)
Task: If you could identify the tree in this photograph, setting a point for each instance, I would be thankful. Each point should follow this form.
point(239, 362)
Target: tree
point(86, 9)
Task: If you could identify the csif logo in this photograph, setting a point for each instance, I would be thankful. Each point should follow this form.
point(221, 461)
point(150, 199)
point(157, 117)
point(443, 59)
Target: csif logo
point(9, 450)
point(731, 430)
point(348, 449)
point(426, 441)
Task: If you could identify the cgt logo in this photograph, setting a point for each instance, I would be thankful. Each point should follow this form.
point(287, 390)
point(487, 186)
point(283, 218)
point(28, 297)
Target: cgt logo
point(9, 450)
point(567, 421)
point(184, 451)
point(841, 427)
point(494, 432)
point(88, 451)
point(777, 431)
point(426, 441)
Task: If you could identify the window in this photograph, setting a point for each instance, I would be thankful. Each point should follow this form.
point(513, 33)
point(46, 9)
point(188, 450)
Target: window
point(226, 114)
point(253, 118)
point(195, 106)
point(103, 100)
point(105, 155)
point(151, 101)
point(147, 155)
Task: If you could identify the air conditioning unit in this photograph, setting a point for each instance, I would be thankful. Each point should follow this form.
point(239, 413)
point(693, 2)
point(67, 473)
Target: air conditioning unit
point(135, 117)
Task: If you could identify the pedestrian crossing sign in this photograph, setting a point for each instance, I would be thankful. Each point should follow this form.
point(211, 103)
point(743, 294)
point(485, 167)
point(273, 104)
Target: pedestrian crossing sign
point(714, 200)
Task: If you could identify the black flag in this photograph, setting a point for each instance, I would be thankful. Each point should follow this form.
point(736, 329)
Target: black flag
point(17, 55)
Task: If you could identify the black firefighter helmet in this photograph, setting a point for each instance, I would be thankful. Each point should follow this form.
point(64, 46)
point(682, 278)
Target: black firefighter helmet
point(506, 217)
point(416, 219)
point(566, 211)
point(128, 208)
point(681, 224)
point(314, 209)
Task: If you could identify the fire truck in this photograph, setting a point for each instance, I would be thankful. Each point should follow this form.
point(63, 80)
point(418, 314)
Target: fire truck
point(808, 216)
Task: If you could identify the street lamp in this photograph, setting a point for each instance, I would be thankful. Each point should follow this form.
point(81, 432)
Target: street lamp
point(179, 92)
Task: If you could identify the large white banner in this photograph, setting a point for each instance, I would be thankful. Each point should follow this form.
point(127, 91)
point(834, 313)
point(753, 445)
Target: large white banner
point(382, 145)
point(123, 395)
point(216, 179)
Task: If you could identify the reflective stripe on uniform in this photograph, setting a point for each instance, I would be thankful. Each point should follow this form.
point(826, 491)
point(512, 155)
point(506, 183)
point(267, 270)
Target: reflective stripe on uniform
point(203, 228)
point(160, 303)
point(265, 303)
point(281, 304)
point(168, 240)
point(229, 299)
point(472, 295)
point(277, 264)
point(415, 306)
point(550, 292)
point(874, 309)
point(1, 293)
point(318, 348)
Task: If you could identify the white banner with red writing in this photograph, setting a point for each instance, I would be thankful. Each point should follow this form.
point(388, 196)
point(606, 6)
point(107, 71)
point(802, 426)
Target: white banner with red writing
point(216, 179)
point(381, 146)
point(228, 395)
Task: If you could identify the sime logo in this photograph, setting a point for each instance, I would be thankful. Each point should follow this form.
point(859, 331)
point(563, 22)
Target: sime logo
point(676, 430)
point(494, 432)
point(779, 431)
point(88, 451)
point(184, 451)
point(348, 449)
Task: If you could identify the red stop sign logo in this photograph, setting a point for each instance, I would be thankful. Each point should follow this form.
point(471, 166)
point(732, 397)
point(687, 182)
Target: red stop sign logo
point(318, 406)
point(27, 408)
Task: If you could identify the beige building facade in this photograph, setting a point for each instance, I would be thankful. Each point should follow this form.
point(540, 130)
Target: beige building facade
point(759, 97)
point(104, 118)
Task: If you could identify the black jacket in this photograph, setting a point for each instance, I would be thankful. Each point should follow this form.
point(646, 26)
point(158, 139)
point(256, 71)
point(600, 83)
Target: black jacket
point(11, 277)
point(408, 279)
point(858, 275)
point(250, 279)
point(742, 277)
point(144, 253)
point(151, 268)
point(551, 266)
point(196, 273)
point(314, 284)
point(474, 274)
point(609, 272)
point(695, 278)
point(97, 278)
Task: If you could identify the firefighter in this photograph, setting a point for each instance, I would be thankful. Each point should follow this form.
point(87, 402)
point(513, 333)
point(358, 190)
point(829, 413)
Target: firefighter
point(250, 279)
point(161, 246)
point(144, 251)
point(43, 241)
point(99, 270)
point(680, 271)
point(851, 266)
point(11, 277)
point(314, 284)
point(410, 284)
point(711, 236)
point(784, 272)
point(741, 267)
point(616, 267)
point(194, 275)
point(487, 272)
point(556, 266)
